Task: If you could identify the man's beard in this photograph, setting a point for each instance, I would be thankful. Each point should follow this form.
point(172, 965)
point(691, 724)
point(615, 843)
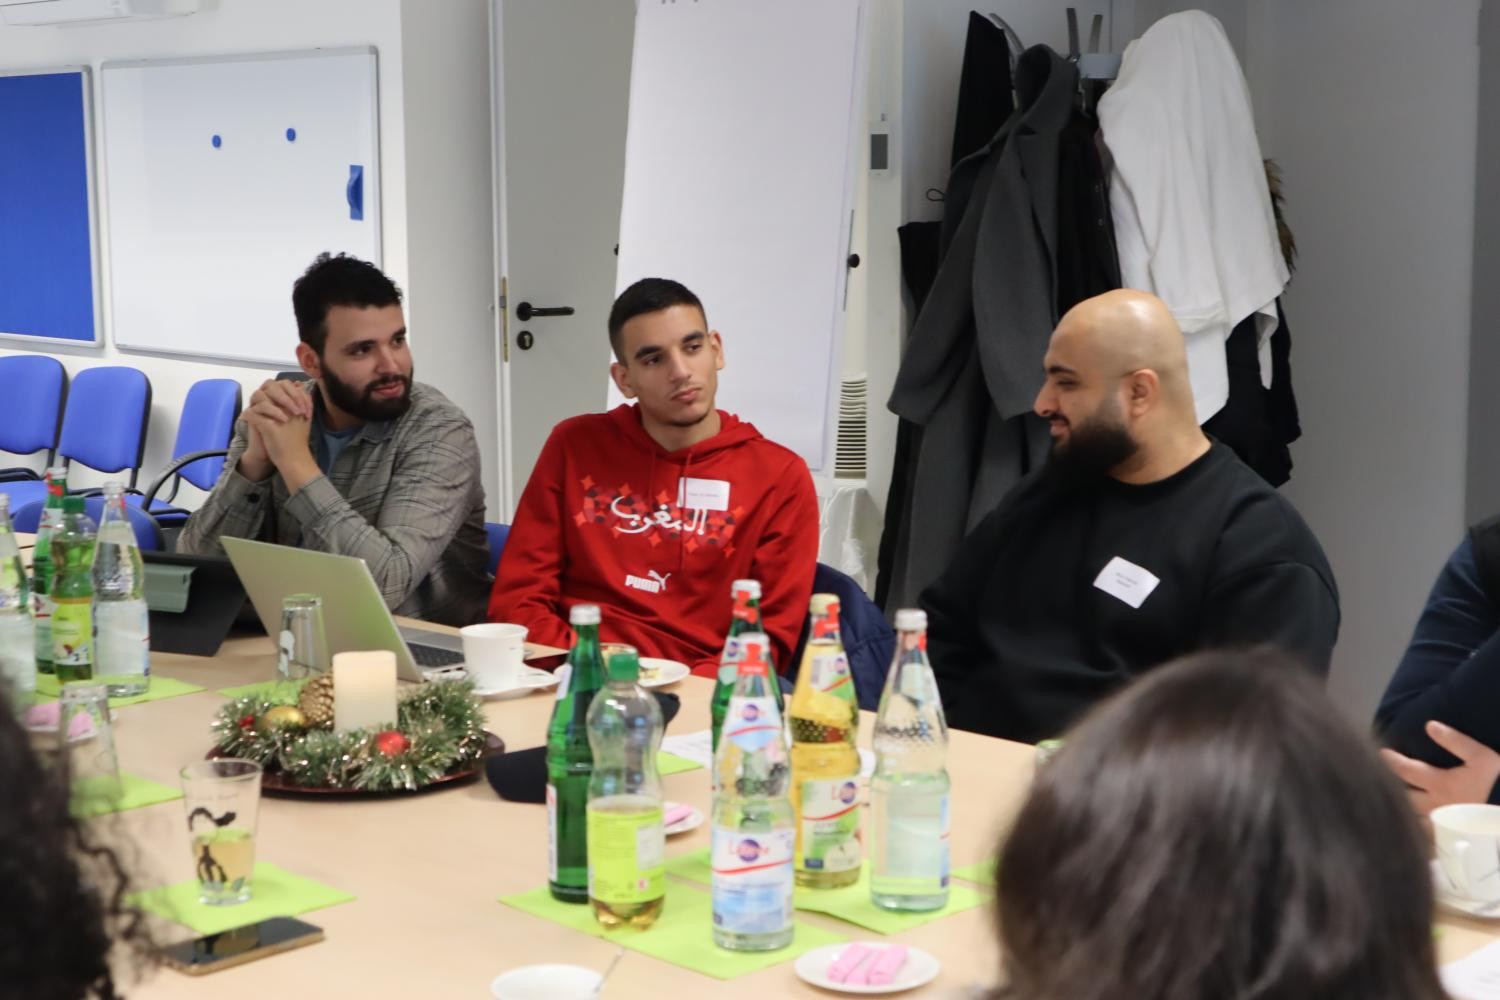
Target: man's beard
point(1093, 448)
point(362, 403)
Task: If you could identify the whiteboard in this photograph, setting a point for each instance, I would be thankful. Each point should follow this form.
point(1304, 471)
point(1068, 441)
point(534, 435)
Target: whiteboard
point(223, 179)
point(738, 182)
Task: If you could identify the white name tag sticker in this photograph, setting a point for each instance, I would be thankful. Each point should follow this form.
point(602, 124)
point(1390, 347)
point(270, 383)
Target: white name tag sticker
point(1125, 580)
point(703, 494)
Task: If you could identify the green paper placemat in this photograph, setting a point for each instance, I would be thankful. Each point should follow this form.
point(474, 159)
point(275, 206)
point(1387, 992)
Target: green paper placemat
point(682, 935)
point(47, 688)
point(135, 792)
point(982, 872)
point(286, 690)
point(670, 763)
point(851, 903)
point(276, 892)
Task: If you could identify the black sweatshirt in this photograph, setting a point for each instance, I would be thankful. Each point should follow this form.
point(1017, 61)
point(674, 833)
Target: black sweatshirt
point(1023, 640)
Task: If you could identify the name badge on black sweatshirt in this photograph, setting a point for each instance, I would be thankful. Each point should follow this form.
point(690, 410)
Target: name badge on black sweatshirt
point(1124, 579)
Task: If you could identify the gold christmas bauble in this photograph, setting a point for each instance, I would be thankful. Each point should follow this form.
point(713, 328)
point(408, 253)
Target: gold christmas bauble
point(283, 717)
point(316, 700)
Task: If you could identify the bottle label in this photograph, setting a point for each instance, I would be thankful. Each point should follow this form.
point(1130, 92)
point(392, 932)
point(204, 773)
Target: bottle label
point(626, 855)
point(72, 631)
point(41, 613)
point(17, 658)
point(752, 723)
point(551, 832)
point(564, 675)
point(911, 854)
point(123, 639)
point(830, 672)
point(752, 880)
point(830, 825)
point(729, 660)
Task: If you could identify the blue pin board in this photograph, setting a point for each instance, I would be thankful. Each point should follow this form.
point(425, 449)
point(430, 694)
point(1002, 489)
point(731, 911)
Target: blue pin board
point(46, 245)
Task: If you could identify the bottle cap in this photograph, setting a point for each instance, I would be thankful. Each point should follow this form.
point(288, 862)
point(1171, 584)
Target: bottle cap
point(822, 603)
point(911, 620)
point(583, 614)
point(624, 665)
point(753, 586)
point(72, 504)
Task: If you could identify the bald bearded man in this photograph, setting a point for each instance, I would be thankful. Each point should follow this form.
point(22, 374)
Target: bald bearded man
point(1139, 540)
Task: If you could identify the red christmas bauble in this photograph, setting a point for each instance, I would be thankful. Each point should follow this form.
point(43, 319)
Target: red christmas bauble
point(391, 742)
point(248, 722)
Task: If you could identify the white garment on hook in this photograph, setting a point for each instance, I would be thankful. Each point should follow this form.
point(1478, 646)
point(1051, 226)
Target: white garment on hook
point(1192, 211)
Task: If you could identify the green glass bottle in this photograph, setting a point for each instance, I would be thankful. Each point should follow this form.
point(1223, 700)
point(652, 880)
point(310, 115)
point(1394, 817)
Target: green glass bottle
point(72, 594)
point(744, 618)
point(570, 761)
point(41, 567)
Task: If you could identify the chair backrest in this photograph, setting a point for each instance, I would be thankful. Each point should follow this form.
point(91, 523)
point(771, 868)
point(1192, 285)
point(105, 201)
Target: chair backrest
point(104, 426)
point(34, 387)
point(497, 533)
point(147, 531)
point(207, 423)
point(869, 640)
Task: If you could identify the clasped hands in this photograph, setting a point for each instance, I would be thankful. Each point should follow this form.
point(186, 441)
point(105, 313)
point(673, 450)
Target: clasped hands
point(279, 417)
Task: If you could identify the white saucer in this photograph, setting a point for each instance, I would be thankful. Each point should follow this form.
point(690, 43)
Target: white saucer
point(667, 672)
point(530, 680)
point(919, 970)
point(545, 981)
point(689, 822)
point(1450, 899)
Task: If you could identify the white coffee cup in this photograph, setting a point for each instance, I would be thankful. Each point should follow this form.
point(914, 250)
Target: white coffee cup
point(493, 654)
point(1468, 848)
point(546, 982)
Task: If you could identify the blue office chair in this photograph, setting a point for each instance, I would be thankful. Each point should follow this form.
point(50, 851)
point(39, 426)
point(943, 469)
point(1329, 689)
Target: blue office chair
point(869, 640)
point(147, 531)
point(34, 387)
point(497, 533)
point(203, 432)
point(104, 427)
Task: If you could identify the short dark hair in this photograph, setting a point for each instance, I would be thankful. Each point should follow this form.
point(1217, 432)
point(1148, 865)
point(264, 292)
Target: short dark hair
point(337, 281)
point(1217, 830)
point(648, 295)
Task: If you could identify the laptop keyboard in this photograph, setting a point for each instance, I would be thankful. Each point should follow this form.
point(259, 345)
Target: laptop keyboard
point(434, 656)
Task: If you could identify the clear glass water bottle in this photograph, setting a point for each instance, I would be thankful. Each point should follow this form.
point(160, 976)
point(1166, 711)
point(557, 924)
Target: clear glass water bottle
point(41, 567)
point(754, 826)
point(17, 634)
point(626, 840)
point(909, 790)
point(122, 637)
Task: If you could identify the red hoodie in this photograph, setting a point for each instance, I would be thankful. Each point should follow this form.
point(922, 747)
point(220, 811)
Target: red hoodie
point(655, 538)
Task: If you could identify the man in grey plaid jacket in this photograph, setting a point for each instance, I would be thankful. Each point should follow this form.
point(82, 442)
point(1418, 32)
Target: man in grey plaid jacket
point(359, 460)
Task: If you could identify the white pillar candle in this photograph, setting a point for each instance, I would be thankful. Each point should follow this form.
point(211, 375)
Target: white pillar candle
point(364, 690)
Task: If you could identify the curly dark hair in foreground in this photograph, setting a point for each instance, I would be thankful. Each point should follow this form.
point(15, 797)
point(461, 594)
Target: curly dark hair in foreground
point(63, 895)
point(1217, 831)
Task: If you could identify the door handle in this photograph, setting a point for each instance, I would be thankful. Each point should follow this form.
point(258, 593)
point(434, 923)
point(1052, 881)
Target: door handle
point(525, 311)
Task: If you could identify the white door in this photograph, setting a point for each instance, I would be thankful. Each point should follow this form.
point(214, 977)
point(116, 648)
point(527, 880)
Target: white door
point(563, 85)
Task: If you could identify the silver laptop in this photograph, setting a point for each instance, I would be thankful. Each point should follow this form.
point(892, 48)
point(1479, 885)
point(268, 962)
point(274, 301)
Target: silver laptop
point(354, 613)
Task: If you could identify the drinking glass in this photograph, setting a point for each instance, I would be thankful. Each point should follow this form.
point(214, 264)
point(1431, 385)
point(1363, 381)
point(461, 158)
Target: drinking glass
point(302, 648)
point(86, 745)
point(222, 797)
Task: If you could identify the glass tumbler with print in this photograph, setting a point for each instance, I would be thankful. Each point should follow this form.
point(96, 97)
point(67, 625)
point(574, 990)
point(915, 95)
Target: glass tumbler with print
point(86, 745)
point(222, 798)
point(302, 648)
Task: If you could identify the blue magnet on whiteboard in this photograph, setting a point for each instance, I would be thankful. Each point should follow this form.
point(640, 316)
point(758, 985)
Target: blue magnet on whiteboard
point(217, 141)
point(291, 135)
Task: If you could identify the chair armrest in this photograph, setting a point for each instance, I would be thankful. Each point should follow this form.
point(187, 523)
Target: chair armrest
point(17, 474)
point(149, 496)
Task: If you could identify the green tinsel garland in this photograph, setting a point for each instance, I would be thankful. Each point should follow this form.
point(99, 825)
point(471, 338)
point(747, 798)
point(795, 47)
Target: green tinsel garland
point(442, 720)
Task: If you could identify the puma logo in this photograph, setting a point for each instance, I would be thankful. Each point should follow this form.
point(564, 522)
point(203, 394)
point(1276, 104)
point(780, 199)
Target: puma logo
point(652, 583)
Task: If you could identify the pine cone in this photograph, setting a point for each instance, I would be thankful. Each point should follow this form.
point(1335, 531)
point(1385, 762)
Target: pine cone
point(316, 700)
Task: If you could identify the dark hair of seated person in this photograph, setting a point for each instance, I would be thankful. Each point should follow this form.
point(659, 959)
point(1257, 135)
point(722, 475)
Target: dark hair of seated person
point(63, 894)
point(1217, 831)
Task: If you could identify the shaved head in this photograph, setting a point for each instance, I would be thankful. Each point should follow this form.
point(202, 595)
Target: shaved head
point(1117, 393)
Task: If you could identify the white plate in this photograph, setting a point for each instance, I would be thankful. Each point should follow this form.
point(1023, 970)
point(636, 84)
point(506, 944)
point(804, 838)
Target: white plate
point(667, 672)
point(919, 970)
point(691, 821)
point(1451, 899)
point(530, 680)
point(546, 981)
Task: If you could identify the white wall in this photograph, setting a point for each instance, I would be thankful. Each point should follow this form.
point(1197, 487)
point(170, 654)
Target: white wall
point(434, 157)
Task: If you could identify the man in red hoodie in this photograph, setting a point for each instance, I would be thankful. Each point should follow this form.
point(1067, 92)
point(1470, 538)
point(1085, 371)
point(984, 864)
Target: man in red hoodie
point(651, 511)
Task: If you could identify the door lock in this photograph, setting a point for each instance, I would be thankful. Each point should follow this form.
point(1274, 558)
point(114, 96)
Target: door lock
point(524, 340)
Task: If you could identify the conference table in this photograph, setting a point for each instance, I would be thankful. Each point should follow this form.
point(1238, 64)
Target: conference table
point(427, 870)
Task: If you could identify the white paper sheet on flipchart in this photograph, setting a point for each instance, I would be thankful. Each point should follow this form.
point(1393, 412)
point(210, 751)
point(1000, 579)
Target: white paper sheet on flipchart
point(698, 748)
point(1475, 976)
